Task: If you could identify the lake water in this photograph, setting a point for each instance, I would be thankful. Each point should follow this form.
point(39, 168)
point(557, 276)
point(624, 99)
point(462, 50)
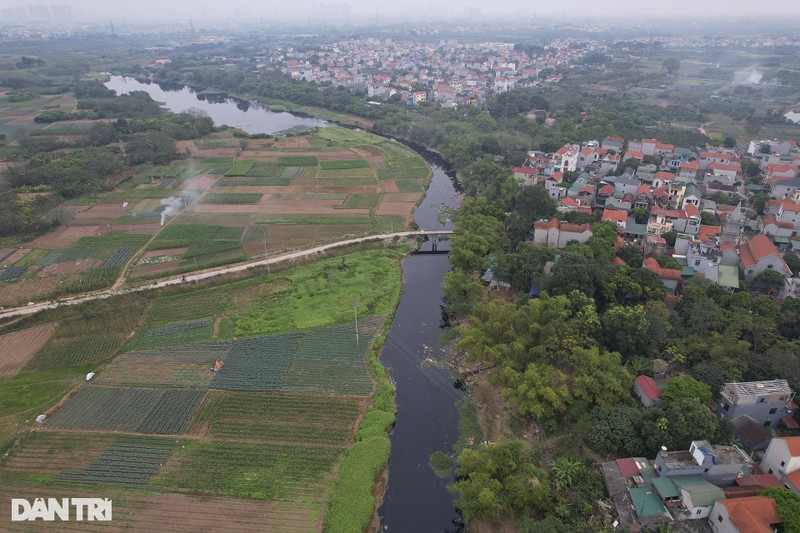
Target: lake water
point(249, 117)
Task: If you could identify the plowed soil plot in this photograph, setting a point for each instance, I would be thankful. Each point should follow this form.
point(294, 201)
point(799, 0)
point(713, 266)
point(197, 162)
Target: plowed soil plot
point(66, 268)
point(16, 256)
point(99, 213)
point(64, 236)
point(50, 452)
point(176, 512)
point(148, 270)
point(395, 208)
point(168, 251)
point(17, 348)
point(27, 290)
point(292, 142)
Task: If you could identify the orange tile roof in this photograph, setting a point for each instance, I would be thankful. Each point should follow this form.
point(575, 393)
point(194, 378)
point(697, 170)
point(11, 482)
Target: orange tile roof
point(557, 177)
point(725, 246)
point(793, 443)
point(723, 166)
point(788, 205)
point(635, 154)
point(664, 176)
point(708, 231)
point(781, 167)
point(753, 514)
point(643, 189)
point(664, 273)
point(690, 164)
point(614, 216)
point(572, 202)
point(618, 262)
point(663, 146)
point(760, 247)
point(691, 210)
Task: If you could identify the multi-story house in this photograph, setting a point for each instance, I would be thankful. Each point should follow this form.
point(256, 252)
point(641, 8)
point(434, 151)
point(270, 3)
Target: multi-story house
point(759, 254)
point(765, 401)
point(782, 460)
point(720, 465)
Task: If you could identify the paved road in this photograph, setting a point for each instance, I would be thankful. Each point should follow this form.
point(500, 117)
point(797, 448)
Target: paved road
point(177, 280)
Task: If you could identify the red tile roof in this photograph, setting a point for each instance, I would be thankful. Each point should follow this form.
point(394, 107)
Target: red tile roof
point(755, 249)
point(753, 514)
point(557, 177)
point(525, 170)
point(618, 262)
point(562, 226)
point(614, 140)
point(664, 176)
point(628, 467)
point(648, 386)
point(790, 422)
point(708, 231)
point(627, 197)
point(793, 443)
point(586, 189)
point(636, 154)
point(663, 146)
point(692, 165)
point(788, 205)
point(571, 202)
point(769, 219)
point(607, 189)
point(564, 149)
point(725, 246)
point(661, 192)
point(614, 216)
point(758, 480)
point(643, 189)
point(691, 210)
point(664, 273)
point(723, 166)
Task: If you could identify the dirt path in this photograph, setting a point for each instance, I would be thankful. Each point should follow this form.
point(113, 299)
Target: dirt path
point(206, 274)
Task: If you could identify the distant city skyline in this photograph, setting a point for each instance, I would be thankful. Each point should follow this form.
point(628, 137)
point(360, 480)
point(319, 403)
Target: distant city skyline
point(577, 10)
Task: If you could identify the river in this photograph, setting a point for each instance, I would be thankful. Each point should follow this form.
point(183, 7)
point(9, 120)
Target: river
point(427, 419)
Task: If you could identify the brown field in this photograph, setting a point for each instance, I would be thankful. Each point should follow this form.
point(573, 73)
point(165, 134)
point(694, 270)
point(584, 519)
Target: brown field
point(50, 452)
point(27, 290)
point(17, 348)
point(389, 186)
point(126, 504)
point(68, 268)
point(168, 251)
point(63, 236)
point(393, 208)
point(177, 512)
point(16, 256)
point(100, 212)
point(148, 270)
point(405, 197)
point(292, 142)
point(131, 371)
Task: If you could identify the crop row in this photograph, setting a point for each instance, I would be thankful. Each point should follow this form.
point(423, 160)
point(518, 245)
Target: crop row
point(240, 168)
point(115, 239)
point(128, 462)
point(361, 201)
point(318, 361)
point(5, 255)
point(162, 411)
point(293, 172)
point(298, 160)
point(75, 351)
point(72, 254)
point(277, 417)
point(232, 198)
point(179, 333)
point(265, 170)
point(12, 272)
point(343, 165)
point(254, 470)
point(120, 256)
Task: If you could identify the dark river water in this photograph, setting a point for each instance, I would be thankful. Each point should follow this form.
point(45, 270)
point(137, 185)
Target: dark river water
point(416, 500)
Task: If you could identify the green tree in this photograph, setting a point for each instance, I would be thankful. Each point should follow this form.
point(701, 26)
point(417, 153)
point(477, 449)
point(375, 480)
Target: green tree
point(500, 480)
point(686, 387)
point(632, 255)
point(792, 261)
point(625, 329)
point(614, 430)
point(565, 472)
point(788, 504)
point(671, 65)
point(678, 424)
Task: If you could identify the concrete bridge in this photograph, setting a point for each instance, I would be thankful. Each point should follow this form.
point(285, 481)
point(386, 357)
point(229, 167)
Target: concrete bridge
point(32, 308)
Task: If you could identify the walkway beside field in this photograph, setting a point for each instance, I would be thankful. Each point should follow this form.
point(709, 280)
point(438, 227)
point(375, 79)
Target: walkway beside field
point(291, 256)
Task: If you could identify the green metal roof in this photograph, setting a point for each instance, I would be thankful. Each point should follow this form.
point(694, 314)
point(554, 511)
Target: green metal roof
point(648, 473)
point(665, 487)
point(796, 246)
point(728, 276)
point(701, 492)
point(646, 502)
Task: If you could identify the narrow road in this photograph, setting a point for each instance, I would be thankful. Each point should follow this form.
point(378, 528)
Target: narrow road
point(291, 256)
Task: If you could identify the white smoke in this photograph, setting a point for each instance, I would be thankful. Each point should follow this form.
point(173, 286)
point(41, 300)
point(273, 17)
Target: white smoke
point(173, 206)
point(748, 76)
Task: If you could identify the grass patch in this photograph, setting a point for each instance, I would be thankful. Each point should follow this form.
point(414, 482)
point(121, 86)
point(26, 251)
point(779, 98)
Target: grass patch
point(323, 294)
point(240, 168)
point(263, 169)
point(115, 239)
point(441, 464)
point(469, 430)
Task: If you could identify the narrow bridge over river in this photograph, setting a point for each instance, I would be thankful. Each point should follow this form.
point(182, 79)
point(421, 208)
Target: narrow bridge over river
point(32, 308)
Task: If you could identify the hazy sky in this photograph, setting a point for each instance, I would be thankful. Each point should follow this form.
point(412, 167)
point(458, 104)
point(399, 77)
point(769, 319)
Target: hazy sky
point(581, 9)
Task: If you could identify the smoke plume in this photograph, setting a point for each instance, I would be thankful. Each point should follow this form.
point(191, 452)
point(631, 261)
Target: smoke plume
point(172, 206)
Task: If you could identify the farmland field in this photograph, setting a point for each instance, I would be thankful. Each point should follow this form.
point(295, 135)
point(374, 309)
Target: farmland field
point(277, 417)
point(159, 411)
